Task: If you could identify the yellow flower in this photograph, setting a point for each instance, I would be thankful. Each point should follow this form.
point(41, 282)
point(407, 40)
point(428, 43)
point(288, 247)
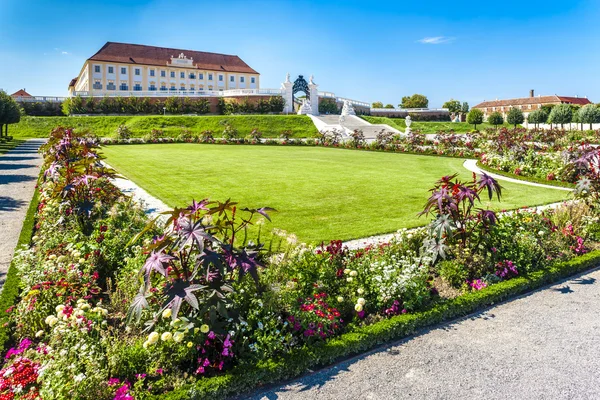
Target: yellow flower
point(204, 328)
point(358, 307)
point(190, 344)
point(167, 313)
point(353, 273)
point(178, 337)
point(153, 337)
point(340, 299)
point(165, 337)
point(361, 301)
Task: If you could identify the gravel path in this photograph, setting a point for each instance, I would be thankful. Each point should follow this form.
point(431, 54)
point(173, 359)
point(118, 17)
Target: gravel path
point(471, 165)
point(545, 345)
point(19, 169)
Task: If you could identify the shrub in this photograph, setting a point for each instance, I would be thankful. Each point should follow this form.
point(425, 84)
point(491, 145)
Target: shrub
point(123, 132)
point(561, 114)
point(538, 116)
point(515, 117)
point(495, 119)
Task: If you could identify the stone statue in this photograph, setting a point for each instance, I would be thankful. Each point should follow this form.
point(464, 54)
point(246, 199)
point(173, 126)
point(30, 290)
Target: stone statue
point(408, 122)
point(305, 108)
point(347, 108)
point(287, 78)
point(310, 80)
point(342, 119)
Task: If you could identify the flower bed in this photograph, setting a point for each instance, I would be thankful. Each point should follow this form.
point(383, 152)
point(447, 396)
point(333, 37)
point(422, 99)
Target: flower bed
point(113, 306)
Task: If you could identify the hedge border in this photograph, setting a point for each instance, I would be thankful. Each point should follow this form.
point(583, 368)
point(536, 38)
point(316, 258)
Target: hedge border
point(243, 378)
point(10, 289)
point(526, 178)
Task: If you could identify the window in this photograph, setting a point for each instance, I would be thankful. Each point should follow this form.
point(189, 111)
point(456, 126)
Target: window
point(192, 89)
point(172, 74)
point(241, 79)
point(152, 87)
point(182, 88)
point(200, 76)
point(111, 86)
point(220, 78)
point(232, 79)
point(163, 73)
point(210, 87)
point(137, 71)
point(97, 85)
point(210, 77)
point(123, 86)
point(97, 69)
point(137, 87)
point(253, 80)
point(151, 72)
point(172, 87)
point(192, 76)
point(182, 75)
point(163, 86)
point(111, 70)
point(123, 71)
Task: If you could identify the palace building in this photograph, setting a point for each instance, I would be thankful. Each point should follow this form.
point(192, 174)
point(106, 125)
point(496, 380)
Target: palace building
point(121, 69)
point(528, 104)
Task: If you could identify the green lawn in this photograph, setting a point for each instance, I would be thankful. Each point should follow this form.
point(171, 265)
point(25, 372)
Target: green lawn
point(106, 126)
point(321, 193)
point(428, 127)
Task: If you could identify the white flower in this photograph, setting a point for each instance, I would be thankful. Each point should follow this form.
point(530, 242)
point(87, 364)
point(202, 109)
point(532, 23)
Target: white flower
point(59, 308)
point(340, 299)
point(153, 337)
point(349, 279)
point(79, 378)
point(360, 290)
point(541, 233)
point(39, 333)
point(51, 320)
point(346, 271)
point(358, 307)
point(165, 337)
point(167, 313)
point(353, 273)
point(361, 301)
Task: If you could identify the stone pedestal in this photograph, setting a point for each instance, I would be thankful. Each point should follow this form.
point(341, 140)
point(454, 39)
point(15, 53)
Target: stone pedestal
point(287, 94)
point(314, 97)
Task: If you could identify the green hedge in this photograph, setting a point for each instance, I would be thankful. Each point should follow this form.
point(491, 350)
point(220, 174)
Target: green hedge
point(526, 178)
point(10, 289)
point(245, 378)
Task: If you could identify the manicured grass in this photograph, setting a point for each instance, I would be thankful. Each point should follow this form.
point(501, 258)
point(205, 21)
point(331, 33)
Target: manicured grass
point(429, 127)
point(106, 126)
point(321, 193)
point(6, 146)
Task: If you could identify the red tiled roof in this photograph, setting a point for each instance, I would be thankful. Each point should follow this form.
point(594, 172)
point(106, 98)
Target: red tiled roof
point(534, 100)
point(73, 82)
point(575, 100)
point(160, 56)
point(21, 93)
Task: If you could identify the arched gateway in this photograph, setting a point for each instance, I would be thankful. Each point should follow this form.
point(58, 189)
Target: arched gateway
point(289, 90)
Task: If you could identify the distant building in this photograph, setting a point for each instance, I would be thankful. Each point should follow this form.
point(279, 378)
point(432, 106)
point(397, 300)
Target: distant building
point(137, 70)
point(20, 94)
point(528, 104)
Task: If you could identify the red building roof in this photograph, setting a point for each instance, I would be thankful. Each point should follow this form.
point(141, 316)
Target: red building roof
point(160, 56)
point(534, 100)
point(21, 93)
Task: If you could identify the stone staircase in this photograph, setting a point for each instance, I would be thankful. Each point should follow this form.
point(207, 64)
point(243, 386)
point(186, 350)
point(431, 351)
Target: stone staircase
point(351, 122)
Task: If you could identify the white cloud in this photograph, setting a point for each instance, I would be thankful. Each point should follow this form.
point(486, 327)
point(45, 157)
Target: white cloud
point(65, 53)
point(436, 40)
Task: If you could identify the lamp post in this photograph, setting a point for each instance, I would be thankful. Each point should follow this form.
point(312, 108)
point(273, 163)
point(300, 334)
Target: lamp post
point(164, 111)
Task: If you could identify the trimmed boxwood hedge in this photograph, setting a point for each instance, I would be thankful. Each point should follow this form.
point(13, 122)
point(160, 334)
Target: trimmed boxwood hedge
point(245, 378)
point(10, 289)
point(525, 178)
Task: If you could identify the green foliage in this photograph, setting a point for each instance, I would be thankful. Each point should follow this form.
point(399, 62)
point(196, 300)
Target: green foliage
point(414, 101)
point(538, 116)
point(561, 114)
point(453, 106)
point(328, 106)
point(42, 109)
point(465, 108)
point(10, 112)
point(475, 117)
point(495, 118)
point(515, 116)
point(389, 106)
point(453, 272)
point(589, 114)
point(377, 104)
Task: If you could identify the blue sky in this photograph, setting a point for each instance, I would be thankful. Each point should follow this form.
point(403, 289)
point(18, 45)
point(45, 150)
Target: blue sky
point(364, 50)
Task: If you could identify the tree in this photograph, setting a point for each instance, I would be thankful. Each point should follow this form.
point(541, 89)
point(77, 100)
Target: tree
point(10, 112)
point(561, 114)
point(538, 116)
point(377, 104)
point(515, 117)
point(389, 106)
point(589, 114)
point(475, 117)
point(495, 119)
point(414, 101)
point(453, 106)
point(465, 108)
